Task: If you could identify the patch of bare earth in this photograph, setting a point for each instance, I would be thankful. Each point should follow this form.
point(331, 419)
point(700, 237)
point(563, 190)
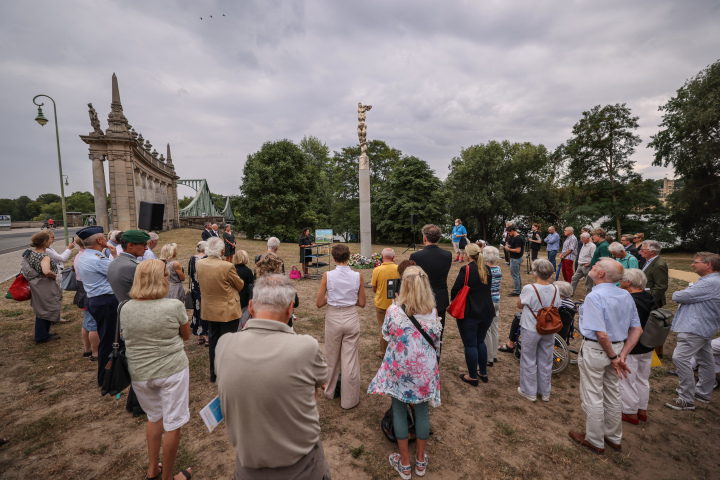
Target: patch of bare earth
point(59, 425)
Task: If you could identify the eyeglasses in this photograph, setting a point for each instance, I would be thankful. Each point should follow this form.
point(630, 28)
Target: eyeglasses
point(693, 263)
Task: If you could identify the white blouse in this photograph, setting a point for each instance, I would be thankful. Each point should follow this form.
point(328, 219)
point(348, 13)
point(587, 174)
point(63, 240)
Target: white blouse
point(343, 285)
point(59, 259)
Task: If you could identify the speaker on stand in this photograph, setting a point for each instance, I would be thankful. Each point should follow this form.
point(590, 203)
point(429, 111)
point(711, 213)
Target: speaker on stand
point(413, 223)
point(151, 216)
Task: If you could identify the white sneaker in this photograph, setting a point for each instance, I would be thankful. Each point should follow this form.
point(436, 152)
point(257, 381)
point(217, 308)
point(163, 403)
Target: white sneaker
point(698, 397)
point(680, 404)
point(532, 398)
point(544, 398)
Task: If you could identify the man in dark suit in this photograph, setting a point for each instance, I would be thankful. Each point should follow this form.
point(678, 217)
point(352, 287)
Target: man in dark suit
point(207, 233)
point(656, 271)
point(436, 262)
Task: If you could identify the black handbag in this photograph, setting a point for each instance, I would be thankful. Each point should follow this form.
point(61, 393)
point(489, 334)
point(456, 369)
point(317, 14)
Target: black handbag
point(117, 374)
point(463, 243)
point(189, 303)
point(69, 280)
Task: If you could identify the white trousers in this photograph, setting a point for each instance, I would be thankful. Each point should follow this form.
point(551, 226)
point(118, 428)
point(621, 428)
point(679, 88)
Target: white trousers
point(688, 346)
point(635, 389)
point(492, 336)
point(536, 362)
point(600, 394)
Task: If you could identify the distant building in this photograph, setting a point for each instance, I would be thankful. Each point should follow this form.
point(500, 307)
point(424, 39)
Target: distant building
point(666, 190)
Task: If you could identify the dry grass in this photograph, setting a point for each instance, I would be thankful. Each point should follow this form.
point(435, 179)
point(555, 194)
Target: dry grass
point(59, 425)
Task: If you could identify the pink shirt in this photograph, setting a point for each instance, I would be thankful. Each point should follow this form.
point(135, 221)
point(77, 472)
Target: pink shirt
point(75, 260)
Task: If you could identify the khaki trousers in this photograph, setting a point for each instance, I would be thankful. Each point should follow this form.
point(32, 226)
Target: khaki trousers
point(342, 338)
point(635, 389)
point(493, 335)
point(310, 467)
point(600, 394)
point(380, 313)
point(580, 273)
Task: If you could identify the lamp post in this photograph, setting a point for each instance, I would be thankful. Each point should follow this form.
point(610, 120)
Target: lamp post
point(42, 121)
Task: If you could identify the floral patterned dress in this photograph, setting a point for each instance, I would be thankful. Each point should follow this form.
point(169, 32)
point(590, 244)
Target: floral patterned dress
point(409, 370)
point(198, 325)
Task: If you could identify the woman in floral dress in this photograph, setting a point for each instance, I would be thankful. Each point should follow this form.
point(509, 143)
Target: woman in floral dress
point(409, 372)
point(199, 327)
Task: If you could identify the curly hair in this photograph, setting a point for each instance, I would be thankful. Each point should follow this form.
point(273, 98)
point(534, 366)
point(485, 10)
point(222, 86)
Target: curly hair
point(269, 263)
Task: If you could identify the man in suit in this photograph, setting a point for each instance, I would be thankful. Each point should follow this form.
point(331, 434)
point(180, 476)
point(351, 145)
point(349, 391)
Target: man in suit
point(207, 233)
point(436, 262)
point(121, 271)
point(656, 271)
point(219, 287)
point(215, 230)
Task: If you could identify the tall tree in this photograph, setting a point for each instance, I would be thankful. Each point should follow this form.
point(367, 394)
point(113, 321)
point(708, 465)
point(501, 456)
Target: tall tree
point(600, 149)
point(278, 195)
point(83, 202)
point(319, 155)
point(689, 140)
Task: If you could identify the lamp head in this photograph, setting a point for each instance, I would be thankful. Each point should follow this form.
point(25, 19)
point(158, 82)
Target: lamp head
point(41, 118)
point(67, 183)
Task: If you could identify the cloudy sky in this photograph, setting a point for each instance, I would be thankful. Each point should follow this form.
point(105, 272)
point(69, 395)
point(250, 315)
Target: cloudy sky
point(440, 75)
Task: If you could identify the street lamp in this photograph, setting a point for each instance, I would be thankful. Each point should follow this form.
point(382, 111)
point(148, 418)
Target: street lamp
point(42, 121)
point(67, 183)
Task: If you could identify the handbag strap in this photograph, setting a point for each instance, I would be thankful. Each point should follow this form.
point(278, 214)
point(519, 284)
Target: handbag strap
point(467, 273)
point(540, 299)
point(420, 329)
point(116, 343)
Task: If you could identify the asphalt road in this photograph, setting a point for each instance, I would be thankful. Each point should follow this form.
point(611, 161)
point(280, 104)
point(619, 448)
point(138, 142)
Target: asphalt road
point(13, 241)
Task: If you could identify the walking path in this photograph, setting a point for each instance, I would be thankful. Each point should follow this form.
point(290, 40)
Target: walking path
point(689, 277)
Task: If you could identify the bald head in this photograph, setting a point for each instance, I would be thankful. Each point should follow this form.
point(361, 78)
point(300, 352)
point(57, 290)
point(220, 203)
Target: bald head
point(388, 254)
point(607, 271)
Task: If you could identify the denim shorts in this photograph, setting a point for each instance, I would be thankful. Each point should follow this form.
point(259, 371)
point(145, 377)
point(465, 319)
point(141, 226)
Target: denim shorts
point(89, 323)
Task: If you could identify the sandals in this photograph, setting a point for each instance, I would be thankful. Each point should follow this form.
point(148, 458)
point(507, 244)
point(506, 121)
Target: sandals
point(506, 348)
point(156, 477)
point(201, 341)
point(419, 464)
point(405, 471)
point(186, 474)
point(3, 441)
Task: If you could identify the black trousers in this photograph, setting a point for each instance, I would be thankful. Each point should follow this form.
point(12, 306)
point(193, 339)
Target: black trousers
point(215, 331)
point(441, 314)
point(103, 308)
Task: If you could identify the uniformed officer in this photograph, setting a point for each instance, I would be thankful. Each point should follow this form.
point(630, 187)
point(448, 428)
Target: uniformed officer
point(121, 272)
point(102, 303)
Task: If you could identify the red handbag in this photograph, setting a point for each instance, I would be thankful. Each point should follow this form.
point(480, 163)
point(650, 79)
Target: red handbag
point(457, 307)
point(20, 289)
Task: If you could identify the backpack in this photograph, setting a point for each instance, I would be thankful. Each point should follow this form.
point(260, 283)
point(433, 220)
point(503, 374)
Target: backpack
point(657, 328)
point(387, 427)
point(548, 318)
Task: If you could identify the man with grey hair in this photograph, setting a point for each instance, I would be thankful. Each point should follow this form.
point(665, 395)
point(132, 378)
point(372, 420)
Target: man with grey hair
point(273, 426)
point(215, 230)
point(388, 270)
point(207, 233)
point(656, 271)
point(152, 243)
point(696, 323)
point(610, 325)
point(567, 257)
point(583, 268)
point(586, 229)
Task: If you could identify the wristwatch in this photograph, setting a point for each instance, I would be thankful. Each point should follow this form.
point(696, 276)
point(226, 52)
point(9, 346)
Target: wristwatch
point(613, 358)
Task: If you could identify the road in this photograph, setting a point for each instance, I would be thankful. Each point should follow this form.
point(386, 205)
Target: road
point(19, 239)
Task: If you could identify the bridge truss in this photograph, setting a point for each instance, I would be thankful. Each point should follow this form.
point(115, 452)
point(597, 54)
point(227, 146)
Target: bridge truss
point(203, 202)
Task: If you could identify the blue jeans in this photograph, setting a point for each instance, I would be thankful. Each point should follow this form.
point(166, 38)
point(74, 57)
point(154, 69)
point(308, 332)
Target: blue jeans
point(472, 333)
point(422, 420)
point(515, 264)
point(42, 329)
point(551, 257)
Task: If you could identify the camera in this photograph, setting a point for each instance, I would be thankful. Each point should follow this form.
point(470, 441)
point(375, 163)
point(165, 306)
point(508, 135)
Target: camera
point(393, 288)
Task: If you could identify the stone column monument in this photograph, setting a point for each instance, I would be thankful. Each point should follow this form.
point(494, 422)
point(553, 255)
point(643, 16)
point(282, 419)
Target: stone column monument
point(364, 184)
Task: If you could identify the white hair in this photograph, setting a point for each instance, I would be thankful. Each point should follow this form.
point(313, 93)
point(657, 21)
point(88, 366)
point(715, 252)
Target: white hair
point(572, 230)
point(273, 243)
point(635, 276)
point(200, 247)
point(273, 292)
point(543, 269)
point(113, 236)
point(491, 255)
point(564, 289)
point(585, 235)
point(653, 246)
point(153, 237)
point(612, 268)
point(92, 240)
point(616, 247)
point(214, 247)
point(388, 253)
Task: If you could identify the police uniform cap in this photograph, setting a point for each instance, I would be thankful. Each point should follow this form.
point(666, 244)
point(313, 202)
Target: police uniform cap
point(135, 236)
point(87, 232)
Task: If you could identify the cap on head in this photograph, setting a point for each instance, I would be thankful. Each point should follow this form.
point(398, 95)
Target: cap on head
point(87, 232)
point(135, 236)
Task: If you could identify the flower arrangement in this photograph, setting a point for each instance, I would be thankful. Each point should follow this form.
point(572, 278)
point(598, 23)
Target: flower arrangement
point(360, 262)
point(377, 259)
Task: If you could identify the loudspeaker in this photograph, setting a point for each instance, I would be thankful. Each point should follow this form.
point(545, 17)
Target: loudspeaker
point(151, 216)
point(413, 219)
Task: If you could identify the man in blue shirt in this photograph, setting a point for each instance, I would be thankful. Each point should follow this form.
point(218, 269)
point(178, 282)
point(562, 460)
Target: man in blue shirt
point(610, 324)
point(696, 323)
point(458, 233)
point(102, 303)
point(553, 245)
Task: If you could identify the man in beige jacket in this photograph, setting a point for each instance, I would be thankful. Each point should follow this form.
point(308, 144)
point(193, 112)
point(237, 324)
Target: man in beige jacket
point(219, 287)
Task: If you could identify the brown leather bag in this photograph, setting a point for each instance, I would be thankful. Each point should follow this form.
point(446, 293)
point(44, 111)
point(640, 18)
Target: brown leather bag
point(548, 318)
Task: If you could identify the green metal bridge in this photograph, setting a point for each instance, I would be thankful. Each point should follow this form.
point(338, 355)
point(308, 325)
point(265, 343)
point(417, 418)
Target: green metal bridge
point(203, 202)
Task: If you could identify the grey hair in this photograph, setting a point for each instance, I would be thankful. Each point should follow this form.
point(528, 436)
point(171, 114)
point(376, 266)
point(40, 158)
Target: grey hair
point(214, 247)
point(388, 253)
point(584, 235)
point(208, 224)
point(273, 292)
point(542, 268)
point(200, 247)
point(564, 289)
point(113, 236)
point(616, 247)
point(612, 268)
point(273, 243)
point(635, 276)
point(92, 240)
point(491, 254)
point(653, 246)
point(572, 230)
point(153, 237)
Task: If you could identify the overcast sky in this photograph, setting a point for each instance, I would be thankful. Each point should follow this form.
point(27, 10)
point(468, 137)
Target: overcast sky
point(440, 75)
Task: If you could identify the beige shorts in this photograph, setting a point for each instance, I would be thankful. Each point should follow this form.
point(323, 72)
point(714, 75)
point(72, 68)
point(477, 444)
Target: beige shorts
point(456, 246)
point(166, 399)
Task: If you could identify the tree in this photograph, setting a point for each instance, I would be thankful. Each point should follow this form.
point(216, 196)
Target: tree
point(689, 140)
point(411, 187)
point(83, 202)
point(600, 150)
point(319, 155)
point(278, 195)
point(48, 198)
point(184, 202)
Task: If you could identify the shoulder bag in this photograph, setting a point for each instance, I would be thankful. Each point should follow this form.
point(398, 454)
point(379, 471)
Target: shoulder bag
point(69, 280)
point(463, 243)
point(457, 307)
point(421, 330)
point(117, 374)
point(548, 318)
point(656, 328)
point(20, 289)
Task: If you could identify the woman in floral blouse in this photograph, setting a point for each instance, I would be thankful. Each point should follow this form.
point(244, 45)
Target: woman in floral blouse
point(409, 372)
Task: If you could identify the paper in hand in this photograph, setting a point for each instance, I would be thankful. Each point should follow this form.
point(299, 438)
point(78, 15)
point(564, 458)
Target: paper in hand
point(212, 414)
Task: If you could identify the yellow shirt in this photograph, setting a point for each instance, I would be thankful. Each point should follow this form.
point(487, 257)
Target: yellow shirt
point(383, 273)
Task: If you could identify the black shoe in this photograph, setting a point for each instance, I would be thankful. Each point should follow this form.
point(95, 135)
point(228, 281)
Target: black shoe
point(483, 378)
point(490, 364)
point(514, 295)
point(474, 383)
point(48, 339)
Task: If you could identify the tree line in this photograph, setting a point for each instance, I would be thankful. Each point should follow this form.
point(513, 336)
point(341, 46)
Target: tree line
point(47, 205)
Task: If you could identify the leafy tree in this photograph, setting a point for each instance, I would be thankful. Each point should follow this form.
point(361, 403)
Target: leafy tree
point(278, 195)
point(411, 187)
point(689, 140)
point(319, 155)
point(9, 207)
point(48, 198)
point(52, 210)
point(184, 202)
point(83, 202)
point(600, 149)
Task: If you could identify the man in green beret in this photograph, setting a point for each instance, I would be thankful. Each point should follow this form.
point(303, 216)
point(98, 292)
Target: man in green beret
point(121, 271)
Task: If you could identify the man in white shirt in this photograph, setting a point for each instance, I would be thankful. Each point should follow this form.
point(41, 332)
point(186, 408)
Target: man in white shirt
point(584, 259)
point(152, 243)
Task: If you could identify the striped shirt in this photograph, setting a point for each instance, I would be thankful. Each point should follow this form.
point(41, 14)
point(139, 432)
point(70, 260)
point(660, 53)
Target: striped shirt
point(570, 246)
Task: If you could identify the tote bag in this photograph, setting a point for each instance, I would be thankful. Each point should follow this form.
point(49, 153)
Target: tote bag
point(457, 307)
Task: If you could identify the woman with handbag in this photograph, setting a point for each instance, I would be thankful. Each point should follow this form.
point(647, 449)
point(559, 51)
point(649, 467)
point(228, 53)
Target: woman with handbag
point(475, 319)
point(635, 388)
point(409, 371)
point(41, 273)
point(198, 325)
point(154, 328)
point(537, 350)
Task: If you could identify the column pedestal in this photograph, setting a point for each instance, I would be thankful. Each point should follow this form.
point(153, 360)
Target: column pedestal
point(365, 220)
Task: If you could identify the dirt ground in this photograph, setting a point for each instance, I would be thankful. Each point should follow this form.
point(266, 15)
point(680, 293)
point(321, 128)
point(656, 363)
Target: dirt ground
point(59, 426)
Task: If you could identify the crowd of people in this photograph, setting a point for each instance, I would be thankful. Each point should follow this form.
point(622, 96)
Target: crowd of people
point(245, 317)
